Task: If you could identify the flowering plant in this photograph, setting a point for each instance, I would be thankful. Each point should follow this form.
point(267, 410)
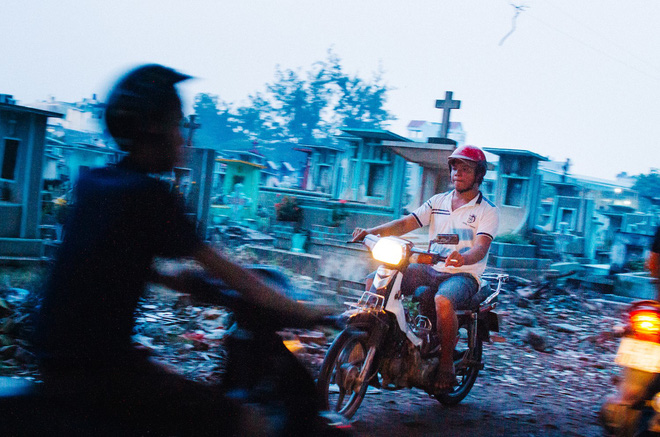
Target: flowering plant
point(287, 210)
point(61, 209)
point(339, 213)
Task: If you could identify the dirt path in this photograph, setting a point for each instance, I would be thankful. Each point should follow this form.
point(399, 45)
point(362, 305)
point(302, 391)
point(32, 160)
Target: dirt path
point(548, 378)
point(538, 402)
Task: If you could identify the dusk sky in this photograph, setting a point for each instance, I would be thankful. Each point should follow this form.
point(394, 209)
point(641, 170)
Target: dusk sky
point(575, 79)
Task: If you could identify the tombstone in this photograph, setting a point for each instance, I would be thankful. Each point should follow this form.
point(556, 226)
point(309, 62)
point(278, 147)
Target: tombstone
point(373, 175)
point(195, 180)
point(241, 180)
point(432, 155)
point(376, 166)
point(191, 126)
point(446, 105)
point(238, 201)
point(563, 238)
point(323, 172)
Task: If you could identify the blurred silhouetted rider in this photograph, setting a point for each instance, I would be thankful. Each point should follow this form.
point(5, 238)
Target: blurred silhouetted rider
point(122, 219)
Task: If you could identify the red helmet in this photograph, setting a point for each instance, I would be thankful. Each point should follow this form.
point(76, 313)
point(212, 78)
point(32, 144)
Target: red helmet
point(471, 153)
point(474, 154)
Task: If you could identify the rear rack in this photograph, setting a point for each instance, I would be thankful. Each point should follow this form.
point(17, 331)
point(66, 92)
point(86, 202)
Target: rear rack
point(500, 278)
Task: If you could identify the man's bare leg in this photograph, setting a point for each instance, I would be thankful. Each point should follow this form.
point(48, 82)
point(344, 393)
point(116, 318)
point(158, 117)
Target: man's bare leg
point(447, 325)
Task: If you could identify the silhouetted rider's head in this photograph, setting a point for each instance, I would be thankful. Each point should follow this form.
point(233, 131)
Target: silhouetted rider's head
point(142, 105)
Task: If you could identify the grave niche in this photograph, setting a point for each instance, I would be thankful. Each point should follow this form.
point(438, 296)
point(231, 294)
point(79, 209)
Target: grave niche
point(517, 189)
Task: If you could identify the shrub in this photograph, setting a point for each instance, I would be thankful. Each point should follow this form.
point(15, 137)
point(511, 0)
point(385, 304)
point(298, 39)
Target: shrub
point(288, 210)
point(511, 239)
point(339, 213)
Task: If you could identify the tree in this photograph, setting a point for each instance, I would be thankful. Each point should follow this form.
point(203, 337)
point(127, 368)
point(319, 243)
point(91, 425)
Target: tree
point(299, 105)
point(218, 124)
point(296, 107)
point(362, 104)
point(305, 107)
point(255, 121)
point(648, 185)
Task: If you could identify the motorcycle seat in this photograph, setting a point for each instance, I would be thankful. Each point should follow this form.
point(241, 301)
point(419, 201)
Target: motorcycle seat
point(484, 291)
point(473, 305)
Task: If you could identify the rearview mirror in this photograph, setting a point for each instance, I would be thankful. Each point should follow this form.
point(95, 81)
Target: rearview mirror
point(447, 239)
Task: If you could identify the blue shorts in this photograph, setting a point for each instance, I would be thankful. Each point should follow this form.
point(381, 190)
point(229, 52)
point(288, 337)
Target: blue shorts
point(458, 288)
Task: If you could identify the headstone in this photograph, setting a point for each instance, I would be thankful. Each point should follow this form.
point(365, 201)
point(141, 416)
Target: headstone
point(238, 201)
point(191, 126)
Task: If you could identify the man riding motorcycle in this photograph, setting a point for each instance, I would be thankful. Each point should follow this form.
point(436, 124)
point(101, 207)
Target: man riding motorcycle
point(122, 219)
point(464, 211)
point(617, 413)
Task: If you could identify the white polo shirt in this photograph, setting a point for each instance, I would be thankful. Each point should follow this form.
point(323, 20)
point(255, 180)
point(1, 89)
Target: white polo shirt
point(477, 217)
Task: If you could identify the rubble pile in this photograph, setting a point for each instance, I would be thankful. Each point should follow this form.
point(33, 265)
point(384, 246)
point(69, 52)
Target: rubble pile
point(558, 340)
point(16, 313)
point(189, 335)
point(560, 343)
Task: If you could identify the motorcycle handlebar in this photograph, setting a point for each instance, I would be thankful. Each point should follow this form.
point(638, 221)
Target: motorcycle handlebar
point(421, 256)
point(216, 292)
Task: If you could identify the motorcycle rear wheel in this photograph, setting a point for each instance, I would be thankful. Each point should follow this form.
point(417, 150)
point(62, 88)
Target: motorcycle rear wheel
point(466, 371)
point(344, 360)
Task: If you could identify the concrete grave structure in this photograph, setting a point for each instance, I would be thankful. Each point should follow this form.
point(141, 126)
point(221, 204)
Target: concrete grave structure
point(240, 188)
point(517, 189)
point(22, 144)
point(324, 171)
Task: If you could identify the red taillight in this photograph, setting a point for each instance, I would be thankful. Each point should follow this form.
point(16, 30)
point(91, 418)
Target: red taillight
point(646, 322)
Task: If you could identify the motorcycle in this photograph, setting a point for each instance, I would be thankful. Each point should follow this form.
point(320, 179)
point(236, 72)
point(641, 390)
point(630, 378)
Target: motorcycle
point(384, 337)
point(259, 371)
point(635, 409)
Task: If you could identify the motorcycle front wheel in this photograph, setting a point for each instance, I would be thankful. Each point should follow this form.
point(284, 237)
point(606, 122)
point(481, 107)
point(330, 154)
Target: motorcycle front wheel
point(338, 381)
point(467, 362)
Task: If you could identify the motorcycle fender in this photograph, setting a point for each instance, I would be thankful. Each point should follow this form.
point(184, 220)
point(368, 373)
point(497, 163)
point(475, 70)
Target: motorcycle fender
point(362, 319)
point(374, 323)
point(486, 325)
point(493, 321)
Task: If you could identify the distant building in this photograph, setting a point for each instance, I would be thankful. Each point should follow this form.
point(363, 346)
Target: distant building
point(270, 175)
point(85, 118)
point(76, 142)
point(422, 130)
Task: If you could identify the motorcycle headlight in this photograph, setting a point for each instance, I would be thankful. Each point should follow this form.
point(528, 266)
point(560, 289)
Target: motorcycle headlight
point(389, 251)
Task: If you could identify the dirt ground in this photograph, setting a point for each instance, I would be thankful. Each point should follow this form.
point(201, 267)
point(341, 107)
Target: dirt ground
point(548, 378)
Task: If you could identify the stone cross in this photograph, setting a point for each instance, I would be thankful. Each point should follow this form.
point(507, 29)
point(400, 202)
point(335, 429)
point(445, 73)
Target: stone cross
point(447, 105)
point(191, 126)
